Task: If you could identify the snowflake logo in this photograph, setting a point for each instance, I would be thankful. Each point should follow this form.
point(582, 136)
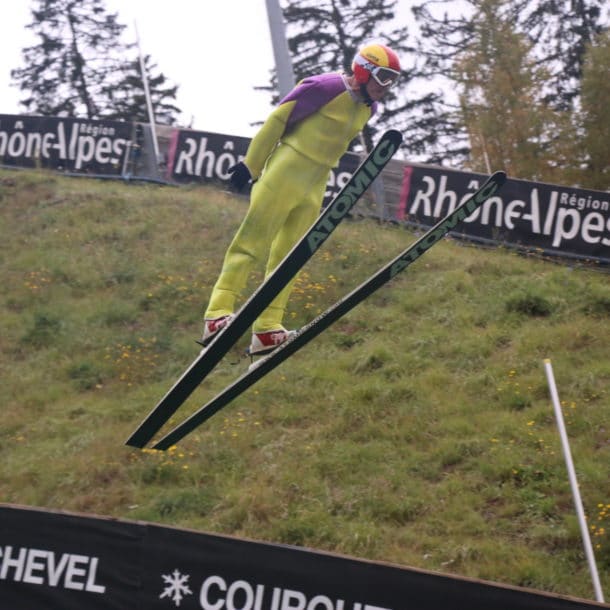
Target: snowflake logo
point(176, 587)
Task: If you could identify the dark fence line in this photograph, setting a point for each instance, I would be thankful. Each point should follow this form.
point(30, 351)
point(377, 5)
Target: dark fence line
point(553, 220)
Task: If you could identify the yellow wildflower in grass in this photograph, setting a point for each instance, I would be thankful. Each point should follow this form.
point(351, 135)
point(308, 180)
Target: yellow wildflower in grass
point(512, 394)
point(598, 527)
point(161, 463)
point(35, 281)
point(134, 363)
point(233, 425)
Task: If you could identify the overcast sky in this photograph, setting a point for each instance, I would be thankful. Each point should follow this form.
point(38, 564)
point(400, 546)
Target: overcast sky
point(217, 52)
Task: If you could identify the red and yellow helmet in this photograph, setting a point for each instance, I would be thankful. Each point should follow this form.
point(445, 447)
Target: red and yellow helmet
point(378, 61)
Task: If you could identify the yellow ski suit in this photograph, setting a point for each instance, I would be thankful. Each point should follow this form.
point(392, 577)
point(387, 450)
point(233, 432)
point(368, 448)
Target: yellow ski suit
point(289, 159)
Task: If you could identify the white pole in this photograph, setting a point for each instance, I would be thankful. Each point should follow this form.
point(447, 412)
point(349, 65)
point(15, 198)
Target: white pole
point(573, 482)
point(151, 114)
point(485, 155)
point(283, 63)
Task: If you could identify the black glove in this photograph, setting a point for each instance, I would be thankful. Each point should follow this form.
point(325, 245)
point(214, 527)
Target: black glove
point(240, 176)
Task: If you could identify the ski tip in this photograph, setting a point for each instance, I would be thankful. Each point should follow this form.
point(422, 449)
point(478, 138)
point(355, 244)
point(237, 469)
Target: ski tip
point(130, 442)
point(162, 445)
point(393, 134)
point(497, 179)
point(139, 438)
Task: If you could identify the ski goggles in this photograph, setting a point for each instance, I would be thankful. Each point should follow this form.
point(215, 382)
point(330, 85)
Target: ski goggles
point(384, 76)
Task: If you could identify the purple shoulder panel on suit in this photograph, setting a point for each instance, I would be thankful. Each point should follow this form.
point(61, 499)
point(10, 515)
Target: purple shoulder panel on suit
point(311, 94)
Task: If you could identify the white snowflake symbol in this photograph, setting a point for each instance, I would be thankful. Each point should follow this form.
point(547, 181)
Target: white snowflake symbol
point(176, 587)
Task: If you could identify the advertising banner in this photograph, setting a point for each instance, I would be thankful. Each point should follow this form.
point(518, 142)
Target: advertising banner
point(59, 561)
point(553, 219)
point(64, 144)
point(535, 216)
point(67, 562)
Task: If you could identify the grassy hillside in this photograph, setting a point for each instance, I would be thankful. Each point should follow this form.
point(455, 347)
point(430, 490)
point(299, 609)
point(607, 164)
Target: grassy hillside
point(417, 430)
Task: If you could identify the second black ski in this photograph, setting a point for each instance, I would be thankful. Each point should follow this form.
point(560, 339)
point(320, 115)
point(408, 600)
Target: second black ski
point(324, 320)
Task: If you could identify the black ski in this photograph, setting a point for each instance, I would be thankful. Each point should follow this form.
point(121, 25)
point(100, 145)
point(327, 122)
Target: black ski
point(340, 308)
point(328, 220)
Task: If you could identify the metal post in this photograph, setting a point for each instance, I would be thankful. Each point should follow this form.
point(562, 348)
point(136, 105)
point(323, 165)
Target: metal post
point(151, 114)
point(283, 63)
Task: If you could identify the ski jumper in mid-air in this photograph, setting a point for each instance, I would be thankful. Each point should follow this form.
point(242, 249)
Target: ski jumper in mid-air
point(289, 161)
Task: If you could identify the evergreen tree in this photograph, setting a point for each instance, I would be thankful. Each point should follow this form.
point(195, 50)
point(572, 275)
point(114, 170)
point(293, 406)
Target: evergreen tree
point(556, 30)
point(79, 65)
point(127, 99)
point(324, 36)
point(510, 126)
point(595, 115)
point(561, 31)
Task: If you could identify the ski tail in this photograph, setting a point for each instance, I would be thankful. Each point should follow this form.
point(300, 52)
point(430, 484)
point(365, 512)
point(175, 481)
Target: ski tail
point(336, 311)
point(305, 248)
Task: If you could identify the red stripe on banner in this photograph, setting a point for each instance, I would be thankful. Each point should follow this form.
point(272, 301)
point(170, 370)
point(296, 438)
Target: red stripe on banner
point(405, 189)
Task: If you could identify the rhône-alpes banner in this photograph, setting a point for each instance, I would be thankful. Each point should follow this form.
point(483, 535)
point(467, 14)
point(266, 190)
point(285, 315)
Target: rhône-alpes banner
point(534, 215)
point(65, 144)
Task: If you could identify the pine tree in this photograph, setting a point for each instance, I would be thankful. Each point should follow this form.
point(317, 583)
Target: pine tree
point(561, 30)
point(556, 31)
point(127, 99)
point(595, 117)
point(510, 126)
point(79, 63)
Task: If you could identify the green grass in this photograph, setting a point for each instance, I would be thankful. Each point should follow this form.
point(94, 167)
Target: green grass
point(417, 430)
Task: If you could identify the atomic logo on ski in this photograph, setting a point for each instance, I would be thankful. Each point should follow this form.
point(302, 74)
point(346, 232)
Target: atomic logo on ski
point(447, 224)
point(355, 189)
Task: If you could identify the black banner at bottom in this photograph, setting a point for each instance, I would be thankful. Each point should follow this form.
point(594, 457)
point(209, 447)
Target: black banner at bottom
point(60, 561)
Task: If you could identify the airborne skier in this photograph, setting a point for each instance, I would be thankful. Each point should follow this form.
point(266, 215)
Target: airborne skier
point(289, 161)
